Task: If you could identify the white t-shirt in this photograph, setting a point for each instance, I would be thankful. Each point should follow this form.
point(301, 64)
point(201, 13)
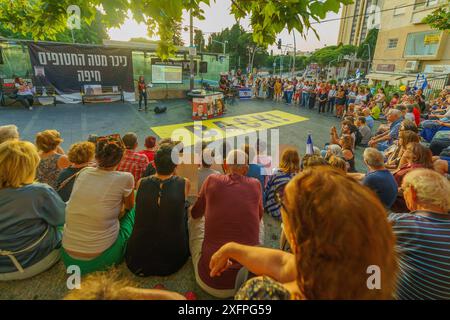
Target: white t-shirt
point(92, 212)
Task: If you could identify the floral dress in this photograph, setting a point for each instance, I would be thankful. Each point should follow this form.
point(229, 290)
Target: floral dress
point(262, 288)
point(48, 171)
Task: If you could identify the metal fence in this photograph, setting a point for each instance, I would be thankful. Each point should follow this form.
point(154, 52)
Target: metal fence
point(435, 85)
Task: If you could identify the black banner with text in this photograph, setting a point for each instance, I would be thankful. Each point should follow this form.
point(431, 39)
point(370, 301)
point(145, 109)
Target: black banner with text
point(69, 67)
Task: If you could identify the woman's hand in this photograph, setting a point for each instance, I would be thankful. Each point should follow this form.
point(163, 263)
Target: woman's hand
point(220, 261)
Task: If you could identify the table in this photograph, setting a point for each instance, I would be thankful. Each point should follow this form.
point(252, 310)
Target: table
point(206, 104)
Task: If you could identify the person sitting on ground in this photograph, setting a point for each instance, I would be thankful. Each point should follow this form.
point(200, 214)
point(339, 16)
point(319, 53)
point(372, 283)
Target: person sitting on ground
point(150, 148)
point(423, 237)
point(159, 244)
point(132, 161)
point(108, 286)
point(204, 171)
point(364, 130)
point(369, 120)
point(255, 170)
point(378, 178)
point(332, 149)
point(53, 159)
point(396, 151)
point(384, 140)
point(375, 111)
point(332, 244)
point(346, 143)
point(30, 215)
point(8, 132)
point(289, 167)
point(338, 163)
point(415, 156)
point(312, 160)
point(212, 223)
point(410, 113)
point(81, 155)
point(99, 215)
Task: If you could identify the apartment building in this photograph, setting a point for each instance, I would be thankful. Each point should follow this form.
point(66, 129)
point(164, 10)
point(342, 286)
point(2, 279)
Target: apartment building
point(406, 46)
point(357, 19)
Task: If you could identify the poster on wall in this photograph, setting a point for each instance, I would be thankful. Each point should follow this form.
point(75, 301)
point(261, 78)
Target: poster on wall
point(207, 107)
point(69, 67)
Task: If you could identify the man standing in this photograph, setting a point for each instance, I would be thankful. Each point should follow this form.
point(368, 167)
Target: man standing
point(212, 224)
point(132, 161)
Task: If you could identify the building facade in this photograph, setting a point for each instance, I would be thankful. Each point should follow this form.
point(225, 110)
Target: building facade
point(407, 47)
point(357, 19)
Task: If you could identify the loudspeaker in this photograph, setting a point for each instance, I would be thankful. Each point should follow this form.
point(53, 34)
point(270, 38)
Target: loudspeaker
point(159, 110)
point(1, 56)
point(203, 67)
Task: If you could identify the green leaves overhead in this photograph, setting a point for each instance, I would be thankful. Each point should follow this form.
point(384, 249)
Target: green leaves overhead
point(45, 19)
point(439, 19)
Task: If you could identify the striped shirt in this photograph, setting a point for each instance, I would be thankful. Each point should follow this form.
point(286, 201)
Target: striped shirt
point(278, 180)
point(423, 245)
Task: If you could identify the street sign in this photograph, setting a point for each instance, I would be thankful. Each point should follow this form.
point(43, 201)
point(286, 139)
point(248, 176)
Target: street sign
point(192, 51)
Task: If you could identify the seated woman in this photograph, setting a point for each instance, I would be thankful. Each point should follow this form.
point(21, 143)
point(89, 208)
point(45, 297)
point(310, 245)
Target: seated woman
point(346, 143)
point(333, 244)
point(99, 215)
point(30, 215)
point(415, 156)
point(159, 243)
point(53, 160)
point(289, 167)
point(396, 151)
point(25, 93)
point(81, 156)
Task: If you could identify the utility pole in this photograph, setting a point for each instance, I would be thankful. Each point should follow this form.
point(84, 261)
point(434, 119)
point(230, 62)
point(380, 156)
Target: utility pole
point(295, 53)
point(191, 56)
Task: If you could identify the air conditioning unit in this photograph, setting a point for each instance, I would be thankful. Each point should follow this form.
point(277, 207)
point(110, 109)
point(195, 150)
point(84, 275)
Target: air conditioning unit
point(412, 66)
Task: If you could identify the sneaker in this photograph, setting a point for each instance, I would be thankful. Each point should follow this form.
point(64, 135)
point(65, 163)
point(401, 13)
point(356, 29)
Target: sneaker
point(30, 108)
point(139, 109)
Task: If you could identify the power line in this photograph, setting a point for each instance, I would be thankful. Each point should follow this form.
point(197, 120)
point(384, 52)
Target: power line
point(365, 14)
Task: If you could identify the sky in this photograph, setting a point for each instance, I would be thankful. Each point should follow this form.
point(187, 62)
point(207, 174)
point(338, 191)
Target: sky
point(218, 18)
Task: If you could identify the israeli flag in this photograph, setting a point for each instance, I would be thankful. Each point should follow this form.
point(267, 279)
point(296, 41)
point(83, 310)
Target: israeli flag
point(425, 82)
point(309, 145)
point(358, 73)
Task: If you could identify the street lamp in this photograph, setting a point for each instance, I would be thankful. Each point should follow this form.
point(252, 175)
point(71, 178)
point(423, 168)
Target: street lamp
point(222, 43)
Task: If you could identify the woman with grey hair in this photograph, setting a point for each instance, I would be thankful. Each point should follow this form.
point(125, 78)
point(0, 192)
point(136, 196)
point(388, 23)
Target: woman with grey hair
point(8, 132)
point(333, 150)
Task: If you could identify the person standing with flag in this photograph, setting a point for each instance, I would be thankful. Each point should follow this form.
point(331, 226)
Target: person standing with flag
point(309, 144)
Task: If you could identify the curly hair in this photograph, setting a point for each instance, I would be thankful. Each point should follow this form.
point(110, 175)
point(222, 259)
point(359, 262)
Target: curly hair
point(81, 152)
point(109, 152)
point(48, 140)
point(340, 229)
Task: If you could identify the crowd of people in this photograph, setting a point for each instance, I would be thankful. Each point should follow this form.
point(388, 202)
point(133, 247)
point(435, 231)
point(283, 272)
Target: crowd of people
point(108, 201)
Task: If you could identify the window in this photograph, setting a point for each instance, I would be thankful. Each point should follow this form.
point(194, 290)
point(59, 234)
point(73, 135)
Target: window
point(425, 3)
point(422, 43)
point(399, 10)
point(392, 43)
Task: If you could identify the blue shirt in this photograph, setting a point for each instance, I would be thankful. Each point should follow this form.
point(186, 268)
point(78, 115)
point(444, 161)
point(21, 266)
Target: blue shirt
point(394, 129)
point(423, 245)
point(25, 215)
point(382, 182)
point(256, 171)
point(370, 122)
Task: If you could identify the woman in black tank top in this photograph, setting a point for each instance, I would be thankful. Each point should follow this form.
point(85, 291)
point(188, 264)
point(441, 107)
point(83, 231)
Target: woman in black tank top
point(159, 244)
